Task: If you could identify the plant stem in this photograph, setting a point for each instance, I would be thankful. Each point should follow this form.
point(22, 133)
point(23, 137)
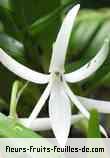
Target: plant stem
point(13, 102)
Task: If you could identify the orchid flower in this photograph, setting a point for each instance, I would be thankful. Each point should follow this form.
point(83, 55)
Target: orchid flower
point(57, 90)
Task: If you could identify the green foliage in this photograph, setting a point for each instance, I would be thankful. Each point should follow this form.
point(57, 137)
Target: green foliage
point(44, 22)
point(93, 125)
point(12, 47)
point(10, 128)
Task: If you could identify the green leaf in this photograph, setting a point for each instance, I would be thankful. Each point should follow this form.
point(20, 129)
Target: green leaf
point(10, 128)
point(83, 34)
point(26, 12)
point(9, 24)
point(64, 2)
point(87, 25)
point(13, 47)
point(43, 22)
point(93, 125)
point(97, 42)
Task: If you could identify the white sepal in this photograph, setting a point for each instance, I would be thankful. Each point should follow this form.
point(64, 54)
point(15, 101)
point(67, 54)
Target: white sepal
point(60, 112)
point(39, 105)
point(79, 105)
point(61, 44)
point(92, 66)
point(100, 105)
point(43, 124)
point(76, 101)
point(21, 70)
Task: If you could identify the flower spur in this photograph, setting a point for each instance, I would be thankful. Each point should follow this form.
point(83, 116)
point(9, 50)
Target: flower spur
point(59, 94)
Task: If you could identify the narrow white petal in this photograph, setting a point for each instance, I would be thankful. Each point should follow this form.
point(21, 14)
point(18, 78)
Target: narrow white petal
point(79, 105)
point(60, 112)
point(100, 106)
point(88, 69)
point(42, 124)
point(76, 101)
point(61, 44)
point(39, 104)
point(21, 70)
point(39, 124)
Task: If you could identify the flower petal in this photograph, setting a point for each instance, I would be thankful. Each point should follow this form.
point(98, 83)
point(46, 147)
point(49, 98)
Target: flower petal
point(100, 106)
point(60, 112)
point(88, 69)
point(39, 105)
point(42, 124)
point(61, 44)
point(79, 105)
point(21, 70)
point(76, 101)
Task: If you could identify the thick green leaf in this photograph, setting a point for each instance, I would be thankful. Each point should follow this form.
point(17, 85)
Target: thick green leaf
point(43, 22)
point(83, 34)
point(87, 25)
point(93, 125)
point(9, 24)
point(12, 47)
point(96, 43)
point(26, 12)
point(10, 128)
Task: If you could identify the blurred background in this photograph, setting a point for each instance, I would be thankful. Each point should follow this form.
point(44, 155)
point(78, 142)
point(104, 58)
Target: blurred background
point(27, 32)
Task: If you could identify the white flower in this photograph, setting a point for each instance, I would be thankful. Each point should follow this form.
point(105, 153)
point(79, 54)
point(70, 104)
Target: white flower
point(59, 93)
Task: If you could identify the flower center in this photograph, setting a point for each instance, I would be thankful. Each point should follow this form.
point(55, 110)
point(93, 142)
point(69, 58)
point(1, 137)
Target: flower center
point(59, 76)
